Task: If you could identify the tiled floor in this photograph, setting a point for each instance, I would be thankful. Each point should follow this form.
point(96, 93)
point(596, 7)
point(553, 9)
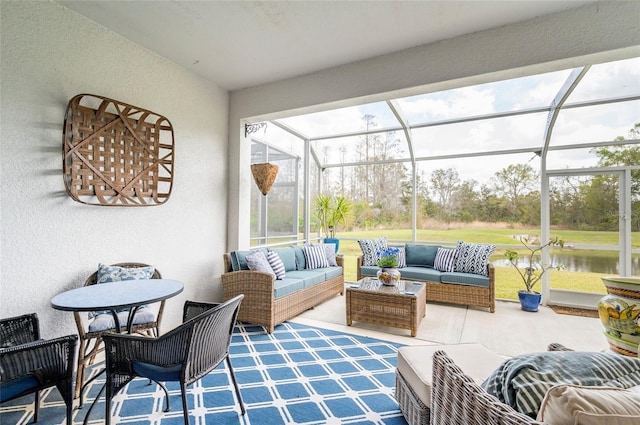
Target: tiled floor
point(509, 331)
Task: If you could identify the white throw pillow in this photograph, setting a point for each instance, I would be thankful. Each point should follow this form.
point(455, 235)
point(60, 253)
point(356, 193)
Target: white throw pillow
point(258, 262)
point(578, 405)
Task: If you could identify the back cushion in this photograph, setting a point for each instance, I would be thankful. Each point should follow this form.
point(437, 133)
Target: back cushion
point(239, 260)
point(421, 255)
point(288, 257)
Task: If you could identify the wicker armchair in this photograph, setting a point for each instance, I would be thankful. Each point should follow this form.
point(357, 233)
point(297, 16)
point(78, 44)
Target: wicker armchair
point(29, 364)
point(91, 342)
point(457, 400)
point(185, 354)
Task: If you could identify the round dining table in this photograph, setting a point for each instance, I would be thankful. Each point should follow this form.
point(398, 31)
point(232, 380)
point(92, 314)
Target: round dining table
point(114, 296)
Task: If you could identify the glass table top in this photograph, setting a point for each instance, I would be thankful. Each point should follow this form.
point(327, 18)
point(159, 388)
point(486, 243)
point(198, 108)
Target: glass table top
point(402, 287)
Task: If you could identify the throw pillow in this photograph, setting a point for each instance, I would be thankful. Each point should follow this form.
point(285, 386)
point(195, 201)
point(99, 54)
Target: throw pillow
point(315, 257)
point(402, 256)
point(574, 404)
point(258, 262)
point(108, 273)
point(330, 251)
point(239, 260)
point(421, 255)
point(372, 250)
point(116, 273)
point(276, 264)
point(446, 259)
point(473, 258)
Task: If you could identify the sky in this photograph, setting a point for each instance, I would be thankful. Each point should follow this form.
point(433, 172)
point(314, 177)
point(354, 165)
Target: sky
point(573, 126)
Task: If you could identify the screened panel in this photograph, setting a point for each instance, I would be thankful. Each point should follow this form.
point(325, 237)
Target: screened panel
point(366, 147)
point(518, 94)
point(513, 132)
point(598, 123)
point(352, 119)
point(608, 80)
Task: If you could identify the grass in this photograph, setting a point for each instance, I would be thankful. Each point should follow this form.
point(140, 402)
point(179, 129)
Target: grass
point(508, 281)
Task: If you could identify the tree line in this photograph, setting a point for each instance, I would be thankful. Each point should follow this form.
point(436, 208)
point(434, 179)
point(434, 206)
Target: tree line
point(381, 190)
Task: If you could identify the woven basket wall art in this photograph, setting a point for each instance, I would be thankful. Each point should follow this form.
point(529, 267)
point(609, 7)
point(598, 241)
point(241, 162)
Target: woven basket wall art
point(264, 176)
point(116, 154)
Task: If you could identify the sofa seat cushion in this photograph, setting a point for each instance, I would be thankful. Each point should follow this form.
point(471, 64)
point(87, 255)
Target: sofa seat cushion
point(332, 272)
point(465, 279)
point(415, 364)
point(420, 273)
point(287, 286)
point(308, 277)
point(369, 270)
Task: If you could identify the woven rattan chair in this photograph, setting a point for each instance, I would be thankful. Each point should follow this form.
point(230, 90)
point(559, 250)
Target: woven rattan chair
point(91, 342)
point(29, 364)
point(184, 354)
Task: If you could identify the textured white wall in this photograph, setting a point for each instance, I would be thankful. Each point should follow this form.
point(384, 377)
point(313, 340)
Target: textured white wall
point(49, 243)
point(603, 31)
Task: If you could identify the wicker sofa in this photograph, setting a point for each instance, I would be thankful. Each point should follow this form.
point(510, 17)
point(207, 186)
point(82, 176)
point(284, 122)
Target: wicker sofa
point(267, 301)
point(443, 289)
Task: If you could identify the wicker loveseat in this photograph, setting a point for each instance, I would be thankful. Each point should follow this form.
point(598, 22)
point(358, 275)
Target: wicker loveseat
point(476, 287)
point(269, 301)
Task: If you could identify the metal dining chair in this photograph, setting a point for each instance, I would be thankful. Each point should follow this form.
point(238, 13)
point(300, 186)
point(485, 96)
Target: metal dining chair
point(185, 354)
point(91, 337)
point(29, 364)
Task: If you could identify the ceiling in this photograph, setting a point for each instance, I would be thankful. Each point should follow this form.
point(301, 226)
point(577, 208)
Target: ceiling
point(239, 44)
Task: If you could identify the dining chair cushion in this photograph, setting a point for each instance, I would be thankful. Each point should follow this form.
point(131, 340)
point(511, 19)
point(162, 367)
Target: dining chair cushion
point(157, 373)
point(105, 321)
point(10, 389)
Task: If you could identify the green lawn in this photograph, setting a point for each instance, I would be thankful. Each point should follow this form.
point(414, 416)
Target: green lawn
point(508, 281)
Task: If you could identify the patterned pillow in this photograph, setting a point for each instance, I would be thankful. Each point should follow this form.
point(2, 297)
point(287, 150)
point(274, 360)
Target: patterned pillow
point(116, 273)
point(473, 258)
point(276, 264)
point(258, 262)
point(108, 273)
point(315, 257)
point(372, 250)
point(446, 259)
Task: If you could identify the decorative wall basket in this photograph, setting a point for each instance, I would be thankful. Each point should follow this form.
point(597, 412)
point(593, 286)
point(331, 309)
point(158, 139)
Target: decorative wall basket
point(264, 175)
point(116, 154)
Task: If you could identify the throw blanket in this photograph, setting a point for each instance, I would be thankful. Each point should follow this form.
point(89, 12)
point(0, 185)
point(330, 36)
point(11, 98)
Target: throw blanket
point(522, 381)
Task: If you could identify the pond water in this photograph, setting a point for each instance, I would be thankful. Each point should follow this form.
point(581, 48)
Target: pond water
point(602, 262)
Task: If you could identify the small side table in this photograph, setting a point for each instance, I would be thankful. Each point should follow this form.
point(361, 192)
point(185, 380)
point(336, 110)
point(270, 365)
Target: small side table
point(401, 306)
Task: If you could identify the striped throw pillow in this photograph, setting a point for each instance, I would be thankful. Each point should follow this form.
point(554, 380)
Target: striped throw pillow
point(276, 264)
point(446, 259)
point(315, 257)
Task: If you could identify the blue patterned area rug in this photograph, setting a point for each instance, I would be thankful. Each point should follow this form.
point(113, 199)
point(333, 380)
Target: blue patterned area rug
point(297, 375)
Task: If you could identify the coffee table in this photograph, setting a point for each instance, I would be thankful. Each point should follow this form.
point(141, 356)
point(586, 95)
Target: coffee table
point(401, 306)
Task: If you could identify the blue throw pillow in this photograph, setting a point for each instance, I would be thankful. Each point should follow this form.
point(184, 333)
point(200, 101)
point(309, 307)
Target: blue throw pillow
point(239, 260)
point(300, 261)
point(421, 255)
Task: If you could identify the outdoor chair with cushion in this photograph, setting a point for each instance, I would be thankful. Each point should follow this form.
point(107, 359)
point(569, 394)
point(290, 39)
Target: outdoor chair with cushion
point(91, 326)
point(185, 354)
point(29, 364)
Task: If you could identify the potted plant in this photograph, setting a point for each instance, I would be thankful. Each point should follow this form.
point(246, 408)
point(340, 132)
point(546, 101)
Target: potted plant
point(532, 271)
point(330, 212)
point(388, 263)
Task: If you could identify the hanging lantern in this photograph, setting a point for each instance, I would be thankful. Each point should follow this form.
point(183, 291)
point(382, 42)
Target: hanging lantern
point(264, 175)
